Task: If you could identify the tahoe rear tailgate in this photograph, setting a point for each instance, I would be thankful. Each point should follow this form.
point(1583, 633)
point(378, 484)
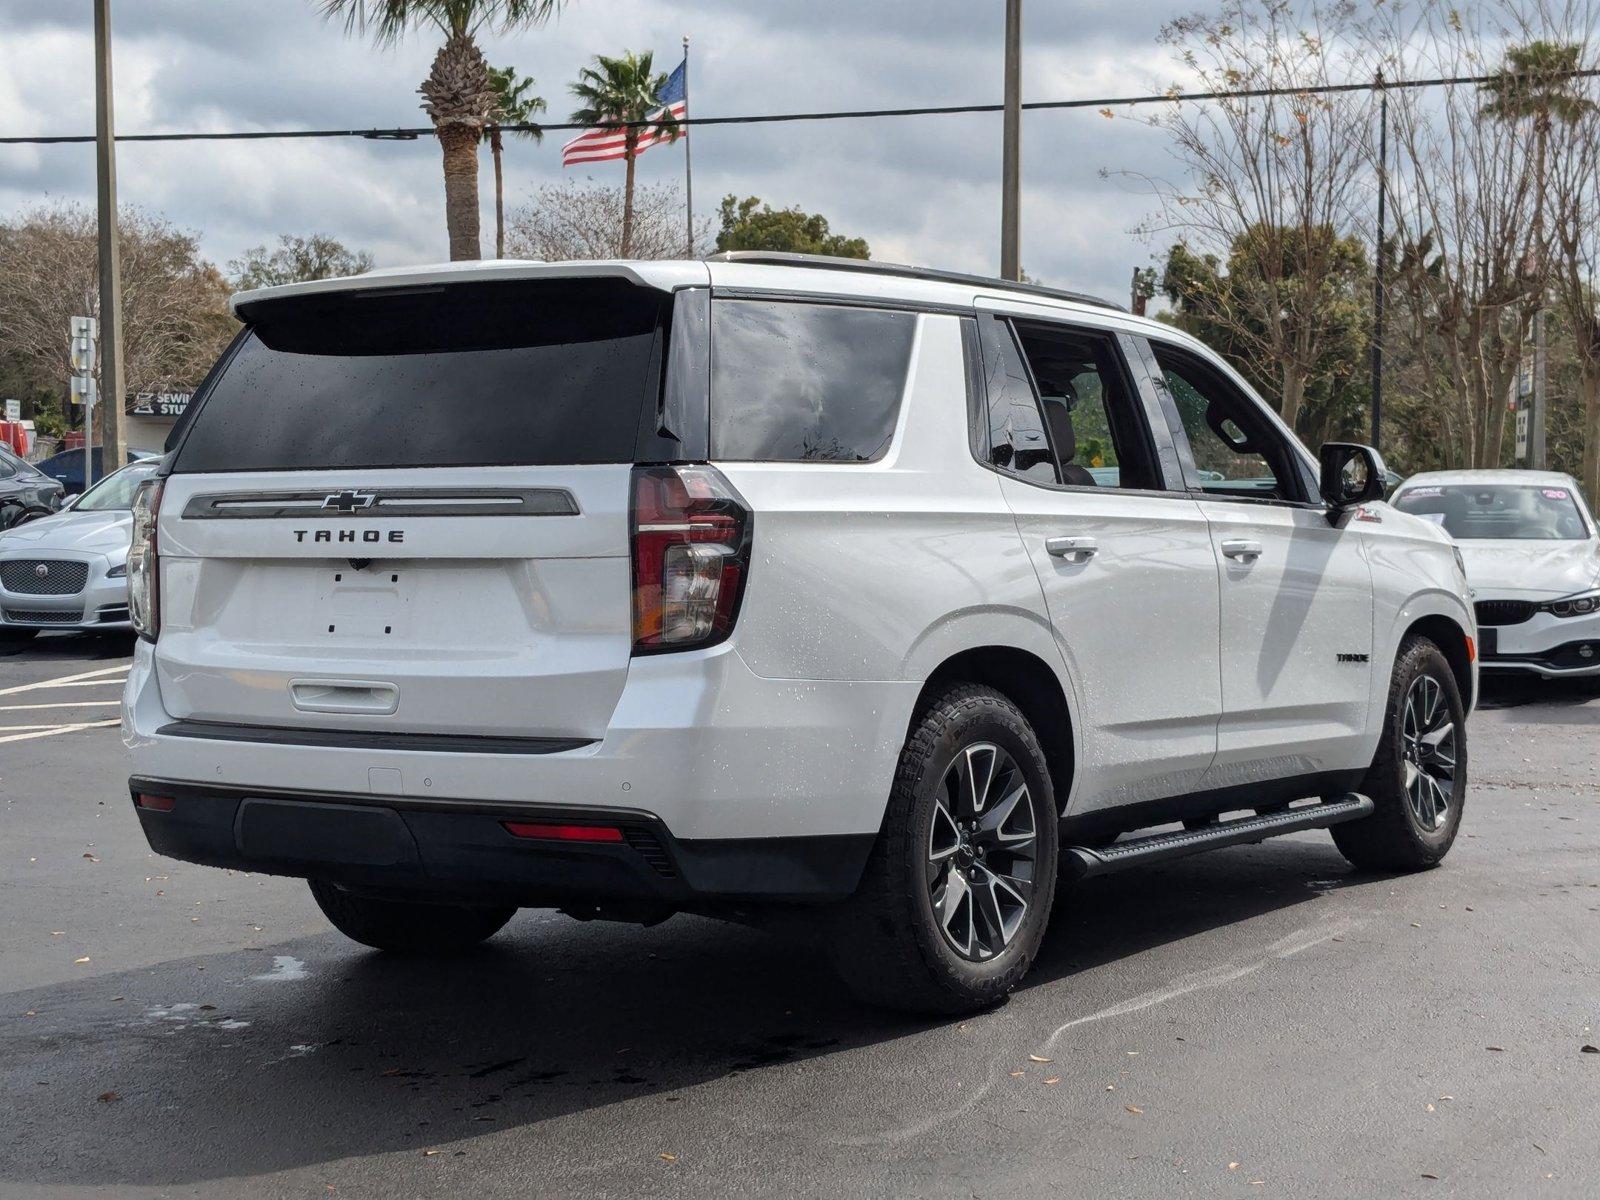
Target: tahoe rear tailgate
point(407, 511)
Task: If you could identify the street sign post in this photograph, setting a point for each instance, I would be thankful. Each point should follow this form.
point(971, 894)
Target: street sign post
point(84, 350)
point(13, 410)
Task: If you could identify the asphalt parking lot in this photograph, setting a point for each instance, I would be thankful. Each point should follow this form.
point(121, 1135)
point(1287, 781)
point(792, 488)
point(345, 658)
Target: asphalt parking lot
point(1263, 1021)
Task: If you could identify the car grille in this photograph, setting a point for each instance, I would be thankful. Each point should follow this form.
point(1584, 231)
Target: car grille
point(21, 576)
point(43, 616)
point(1504, 612)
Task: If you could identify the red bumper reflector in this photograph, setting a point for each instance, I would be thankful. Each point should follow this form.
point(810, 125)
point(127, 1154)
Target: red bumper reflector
point(564, 833)
point(155, 803)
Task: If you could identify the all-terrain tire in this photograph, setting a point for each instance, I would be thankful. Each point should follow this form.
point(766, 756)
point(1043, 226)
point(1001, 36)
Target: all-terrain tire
point(408, 927)
point(886, 941)
point(1396, 837)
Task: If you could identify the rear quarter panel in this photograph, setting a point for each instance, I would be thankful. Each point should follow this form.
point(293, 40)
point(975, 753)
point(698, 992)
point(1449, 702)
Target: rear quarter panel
point(881, 571)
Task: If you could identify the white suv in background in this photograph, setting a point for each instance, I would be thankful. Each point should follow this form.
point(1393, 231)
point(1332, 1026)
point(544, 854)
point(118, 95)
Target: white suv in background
point(631, 588)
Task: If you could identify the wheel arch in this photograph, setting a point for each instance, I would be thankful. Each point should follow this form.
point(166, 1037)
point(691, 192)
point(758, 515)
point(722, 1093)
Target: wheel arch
point(1032, 685)
point(1455, 643)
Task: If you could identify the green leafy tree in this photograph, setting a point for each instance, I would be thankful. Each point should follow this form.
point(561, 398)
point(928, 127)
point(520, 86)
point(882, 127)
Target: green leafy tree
point(618, 90)
point(1321, 280)
point(295, 260)
point(750, 224)
point(513, 105)
point(458, 95)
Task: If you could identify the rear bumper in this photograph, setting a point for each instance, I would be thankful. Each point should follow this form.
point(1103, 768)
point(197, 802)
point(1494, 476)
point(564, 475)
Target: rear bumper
point(697, 742)
point(462, 851)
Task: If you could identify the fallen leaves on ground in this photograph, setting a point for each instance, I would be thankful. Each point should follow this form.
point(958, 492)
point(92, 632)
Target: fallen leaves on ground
point(1590, 1050)
point(1134, 1109)
point(1036, 1058)
point(670, 1158)
point(107, 1097)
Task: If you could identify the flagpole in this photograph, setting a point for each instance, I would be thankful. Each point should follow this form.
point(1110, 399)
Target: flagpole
point(688, 166)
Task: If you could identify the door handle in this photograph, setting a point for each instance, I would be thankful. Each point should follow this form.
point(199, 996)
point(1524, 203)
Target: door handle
point(1242, 549)
point(1073, 549)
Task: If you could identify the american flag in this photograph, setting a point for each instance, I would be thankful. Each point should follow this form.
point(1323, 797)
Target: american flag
point(606, 144)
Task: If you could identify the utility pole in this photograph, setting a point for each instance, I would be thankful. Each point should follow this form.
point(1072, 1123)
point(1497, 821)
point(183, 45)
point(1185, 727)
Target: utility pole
point(1379, 288)
point(114, 439)
point(1536, 450)
point(1011, 148)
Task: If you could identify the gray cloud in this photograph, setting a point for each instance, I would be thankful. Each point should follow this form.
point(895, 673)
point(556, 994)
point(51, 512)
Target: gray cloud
point(921, 189)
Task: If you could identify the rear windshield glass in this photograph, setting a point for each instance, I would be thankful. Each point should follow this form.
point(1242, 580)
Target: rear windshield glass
point(1515, 511)
point(795, 382)
point(486, 374)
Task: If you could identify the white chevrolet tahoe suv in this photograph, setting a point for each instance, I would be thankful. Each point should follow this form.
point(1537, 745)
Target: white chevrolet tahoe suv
point(631, 588)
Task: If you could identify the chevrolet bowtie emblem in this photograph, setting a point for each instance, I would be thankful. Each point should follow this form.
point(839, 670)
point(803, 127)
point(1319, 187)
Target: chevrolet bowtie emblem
point(348, 501)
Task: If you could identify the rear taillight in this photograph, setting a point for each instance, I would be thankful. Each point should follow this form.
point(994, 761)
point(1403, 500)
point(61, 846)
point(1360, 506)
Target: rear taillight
point(144, 572)
point(691, 553)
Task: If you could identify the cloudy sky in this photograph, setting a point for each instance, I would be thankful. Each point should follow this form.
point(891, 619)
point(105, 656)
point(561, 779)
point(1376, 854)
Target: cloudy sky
point(921, 190)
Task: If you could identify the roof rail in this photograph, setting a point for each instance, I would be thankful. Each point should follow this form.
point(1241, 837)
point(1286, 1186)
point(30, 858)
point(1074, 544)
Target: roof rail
point(787, 258)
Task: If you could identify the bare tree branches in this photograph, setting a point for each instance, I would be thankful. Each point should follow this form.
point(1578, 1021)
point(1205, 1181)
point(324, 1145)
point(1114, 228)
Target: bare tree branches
point(584, 220)
point(1274, 183)
point(175, 314)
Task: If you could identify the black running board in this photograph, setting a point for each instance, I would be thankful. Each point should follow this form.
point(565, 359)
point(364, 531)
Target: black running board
point(1083, 862)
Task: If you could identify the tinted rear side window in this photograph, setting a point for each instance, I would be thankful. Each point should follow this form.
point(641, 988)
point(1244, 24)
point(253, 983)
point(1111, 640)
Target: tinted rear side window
point(481, 374)
point(796, 382)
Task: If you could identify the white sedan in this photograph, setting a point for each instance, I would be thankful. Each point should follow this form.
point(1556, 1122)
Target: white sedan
point(70, 570)
point(1533, 561)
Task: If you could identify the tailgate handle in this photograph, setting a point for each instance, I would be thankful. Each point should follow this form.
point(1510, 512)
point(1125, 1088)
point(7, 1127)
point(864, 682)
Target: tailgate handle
point(344, 696)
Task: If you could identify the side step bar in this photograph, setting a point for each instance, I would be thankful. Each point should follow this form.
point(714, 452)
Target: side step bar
point(1083, 862)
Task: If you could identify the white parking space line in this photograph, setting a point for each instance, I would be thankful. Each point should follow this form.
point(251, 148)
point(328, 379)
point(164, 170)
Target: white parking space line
point(52, 730)
point(65, 680)
point(60, 704)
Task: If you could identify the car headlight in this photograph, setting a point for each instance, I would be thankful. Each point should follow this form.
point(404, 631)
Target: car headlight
point(120, 571)
point(1574, 606)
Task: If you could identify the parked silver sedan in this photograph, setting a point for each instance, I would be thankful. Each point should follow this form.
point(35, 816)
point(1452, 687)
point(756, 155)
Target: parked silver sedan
point(69, 570)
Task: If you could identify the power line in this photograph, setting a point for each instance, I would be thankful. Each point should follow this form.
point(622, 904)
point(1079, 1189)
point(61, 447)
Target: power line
point(413, 133)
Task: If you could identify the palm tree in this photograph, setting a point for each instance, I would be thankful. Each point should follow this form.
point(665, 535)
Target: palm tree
point(458, 94)
point(1539, 83)
point(616, 90)
point(512, 106)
